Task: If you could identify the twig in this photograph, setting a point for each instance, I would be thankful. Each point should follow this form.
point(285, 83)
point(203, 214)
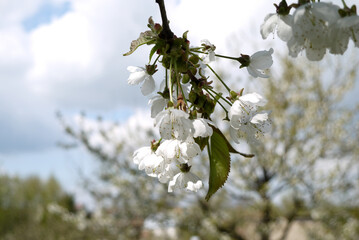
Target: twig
point(166, 32)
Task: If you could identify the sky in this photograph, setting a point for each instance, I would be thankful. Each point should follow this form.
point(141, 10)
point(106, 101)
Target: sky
point(61, 55)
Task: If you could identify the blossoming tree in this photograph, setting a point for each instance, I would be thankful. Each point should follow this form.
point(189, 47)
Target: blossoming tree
point(285, 145)
point(184, 103)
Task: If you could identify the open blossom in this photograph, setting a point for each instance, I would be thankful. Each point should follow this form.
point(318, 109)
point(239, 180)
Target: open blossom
point(209, 49)
point(260, 61)
point(174, 123)
point(147, 160)
point(158, 103)
point(153, 165)
point(341, 31)
point(245, 120)
point(185, 180)
point(201, 128)
point(283, 24)
point(177, 151)
point(140, 154)
point(311, 26)
point(139, 75)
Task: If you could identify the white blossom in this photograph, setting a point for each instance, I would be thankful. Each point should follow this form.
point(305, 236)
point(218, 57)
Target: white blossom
point(174, 123)
point(201, 128)
point(140, 154)
point(211, 55)
point(260, 61)
point(153, 165)
point(185, 180)
point(281, 23)
point(167, 173)
point(311, 26)
point(174, 150)
point(158, 103)
point(245, 121)
point(147, 160)
point(341, 31)
point(139, 75)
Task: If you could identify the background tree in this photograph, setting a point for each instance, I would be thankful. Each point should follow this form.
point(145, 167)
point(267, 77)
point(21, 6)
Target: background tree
point(307, 160)
point(302, 166)
point(24, 210)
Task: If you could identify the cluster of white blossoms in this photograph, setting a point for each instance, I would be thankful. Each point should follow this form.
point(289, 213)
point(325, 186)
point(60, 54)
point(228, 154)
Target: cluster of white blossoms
point(246, 121)
point(314, 27)
point(170, 159)
point(183, 106)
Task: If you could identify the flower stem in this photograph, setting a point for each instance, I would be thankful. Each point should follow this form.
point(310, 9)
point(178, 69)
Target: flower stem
point(170, 83)
point(219, 78)
point(156, 59)
point(228, 102)
point(207, 90)
point(227, 57)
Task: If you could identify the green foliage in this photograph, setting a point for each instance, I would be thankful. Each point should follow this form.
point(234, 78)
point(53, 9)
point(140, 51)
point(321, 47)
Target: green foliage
point(144, 38)
point(23, 209)
point(220, 162)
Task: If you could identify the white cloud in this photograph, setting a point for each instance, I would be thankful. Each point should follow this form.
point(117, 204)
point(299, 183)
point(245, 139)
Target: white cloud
point(73, 63)
point(215, 20)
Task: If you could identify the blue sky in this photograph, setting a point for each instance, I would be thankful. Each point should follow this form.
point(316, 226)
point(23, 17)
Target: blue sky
point(60, 55)
point(45, 13)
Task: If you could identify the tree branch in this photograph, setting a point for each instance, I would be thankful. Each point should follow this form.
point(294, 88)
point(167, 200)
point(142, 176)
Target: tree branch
point(166, 32)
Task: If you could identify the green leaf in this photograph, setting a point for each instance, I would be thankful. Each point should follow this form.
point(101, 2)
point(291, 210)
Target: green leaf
point(153, 50)
point(230, 148)
point(219, 162)
point(147, 37)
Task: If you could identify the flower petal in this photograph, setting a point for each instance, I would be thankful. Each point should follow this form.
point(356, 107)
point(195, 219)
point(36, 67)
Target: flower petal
point(269, 24)
point(148, 86)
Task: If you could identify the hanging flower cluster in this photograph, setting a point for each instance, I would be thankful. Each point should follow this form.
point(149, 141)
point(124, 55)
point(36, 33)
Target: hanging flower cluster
point(183, 105)
point(314, 27)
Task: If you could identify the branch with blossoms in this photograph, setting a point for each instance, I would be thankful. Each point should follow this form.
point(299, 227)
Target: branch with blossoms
point(183, 105)
point(313, 27)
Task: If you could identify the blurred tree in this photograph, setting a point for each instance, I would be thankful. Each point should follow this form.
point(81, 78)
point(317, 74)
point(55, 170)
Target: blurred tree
point(125, 195)
point(306, 161)
point(23, 209)
point(309, 159)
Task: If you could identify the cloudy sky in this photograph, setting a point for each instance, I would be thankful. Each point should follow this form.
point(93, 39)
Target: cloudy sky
point(61, 55)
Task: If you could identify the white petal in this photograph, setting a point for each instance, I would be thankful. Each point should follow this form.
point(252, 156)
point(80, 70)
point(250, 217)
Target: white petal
point(256, 73)
point(269, 24)
point(136, 78)
point(148, 86)
point(168, 173)
point(262, 59)
point(254, 98)
point(201, 128)
point(234, 134)
point(194, 186)
point(315, 54)
point(206, 42)
point(186, 180)
point(158, 103)
point(294, 47)
point(160, 117)
point(140, 154)
point(284, 29)
point(190, 149)
point(172, 183)
point(133, 69)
